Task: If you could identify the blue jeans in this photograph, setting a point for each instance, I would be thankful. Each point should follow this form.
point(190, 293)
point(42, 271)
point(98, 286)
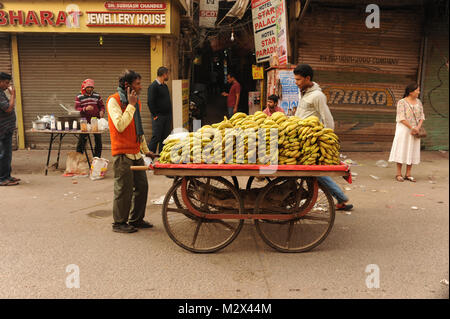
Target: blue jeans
point(230, 111)
point(334, 188)
point(5, 156)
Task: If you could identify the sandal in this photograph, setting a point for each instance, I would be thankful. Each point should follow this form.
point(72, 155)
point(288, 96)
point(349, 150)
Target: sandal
point(410, 178)
point(399, 178)
point(8, 183)
point(13, 179)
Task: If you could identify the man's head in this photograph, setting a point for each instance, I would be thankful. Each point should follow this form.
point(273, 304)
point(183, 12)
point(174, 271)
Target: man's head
point(303, 75)
point(132, 80)
point(163, 73)
point(272, 101)
point(87, 87)
point(5, 78)
point(231, 78)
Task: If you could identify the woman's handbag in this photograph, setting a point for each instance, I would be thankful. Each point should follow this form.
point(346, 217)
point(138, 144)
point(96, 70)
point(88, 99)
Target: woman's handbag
point(421, 133)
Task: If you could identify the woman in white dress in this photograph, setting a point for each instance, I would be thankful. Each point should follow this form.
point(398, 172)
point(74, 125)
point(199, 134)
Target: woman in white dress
point(406, 147)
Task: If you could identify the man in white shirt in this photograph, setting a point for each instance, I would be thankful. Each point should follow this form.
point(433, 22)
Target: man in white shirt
point(312, 101)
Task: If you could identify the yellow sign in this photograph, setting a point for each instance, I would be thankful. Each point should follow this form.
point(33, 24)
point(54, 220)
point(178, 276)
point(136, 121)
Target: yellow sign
point(257, 72)
point(85, 16)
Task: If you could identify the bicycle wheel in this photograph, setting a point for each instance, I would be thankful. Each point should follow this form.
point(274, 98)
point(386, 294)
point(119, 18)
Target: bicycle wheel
point(207, 195)
point(297, 234)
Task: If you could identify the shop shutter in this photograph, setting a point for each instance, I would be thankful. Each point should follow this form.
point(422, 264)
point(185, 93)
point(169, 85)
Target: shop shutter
point(54, 66)
point(362, 71)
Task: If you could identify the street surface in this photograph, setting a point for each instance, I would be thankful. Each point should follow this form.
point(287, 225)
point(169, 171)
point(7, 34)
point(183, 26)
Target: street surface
point(48, 223)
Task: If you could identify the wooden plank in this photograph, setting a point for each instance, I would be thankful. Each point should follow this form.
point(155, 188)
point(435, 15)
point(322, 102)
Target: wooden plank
point(238, 172)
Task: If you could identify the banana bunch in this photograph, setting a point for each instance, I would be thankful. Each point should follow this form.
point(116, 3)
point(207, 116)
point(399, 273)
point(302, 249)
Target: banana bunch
point(300, 141)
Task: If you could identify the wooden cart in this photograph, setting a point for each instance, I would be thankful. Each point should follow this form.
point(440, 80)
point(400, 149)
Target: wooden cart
point(204, 211)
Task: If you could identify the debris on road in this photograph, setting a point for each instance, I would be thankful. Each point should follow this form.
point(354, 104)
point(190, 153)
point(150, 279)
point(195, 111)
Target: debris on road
point(444, 282)
point(374, 177)
point(348, 213)
point(347, 188)
point(382, 163)
point(419, 195)
point(160, 200)
point(414, 207)
point(354, 174)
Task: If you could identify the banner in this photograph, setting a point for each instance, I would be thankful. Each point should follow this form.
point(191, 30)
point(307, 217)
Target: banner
point(208, 13)
point(281, 32)
point(289, 92)
point(264, 18)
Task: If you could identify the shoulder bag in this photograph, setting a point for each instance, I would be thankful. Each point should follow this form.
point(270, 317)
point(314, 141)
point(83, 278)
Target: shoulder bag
point(422, 132)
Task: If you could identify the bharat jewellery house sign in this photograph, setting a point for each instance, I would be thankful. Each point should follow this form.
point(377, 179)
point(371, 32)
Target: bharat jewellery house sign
point(117, 14)
point(129, 14)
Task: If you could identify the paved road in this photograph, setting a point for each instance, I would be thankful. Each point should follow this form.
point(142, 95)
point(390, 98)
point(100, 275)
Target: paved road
point(48, 223)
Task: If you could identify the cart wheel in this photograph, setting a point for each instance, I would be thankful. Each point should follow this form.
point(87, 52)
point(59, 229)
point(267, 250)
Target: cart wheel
point(257, 182)
point(302, 233)
point(211, 195)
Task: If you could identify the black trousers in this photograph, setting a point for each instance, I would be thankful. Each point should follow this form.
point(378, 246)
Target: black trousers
point(161, 128)
point(98, 144)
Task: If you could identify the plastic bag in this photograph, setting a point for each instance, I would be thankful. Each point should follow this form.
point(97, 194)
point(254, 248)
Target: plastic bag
point(76, 164)
point(99, 166)
point(102, 124)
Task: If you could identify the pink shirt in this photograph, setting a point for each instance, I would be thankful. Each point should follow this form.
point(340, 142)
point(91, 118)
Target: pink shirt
point(277, 109)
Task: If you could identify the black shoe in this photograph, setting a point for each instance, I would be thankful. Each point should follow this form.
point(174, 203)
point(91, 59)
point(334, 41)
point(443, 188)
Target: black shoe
point(123, 228)
point(141, 224)
point(344, 207)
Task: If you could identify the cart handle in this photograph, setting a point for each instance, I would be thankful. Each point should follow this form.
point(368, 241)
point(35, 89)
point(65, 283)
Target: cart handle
point(141, 168)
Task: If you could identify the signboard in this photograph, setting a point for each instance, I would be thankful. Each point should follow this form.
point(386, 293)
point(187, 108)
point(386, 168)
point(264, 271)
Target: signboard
point(208, 13)
point(86, 16)
point(264, 18)
point(257, 72)
point(180, 92)
point(341, 95)
point(282, 33)
point(289, 92)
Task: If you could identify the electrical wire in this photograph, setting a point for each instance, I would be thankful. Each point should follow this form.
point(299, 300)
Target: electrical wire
point(435, 88)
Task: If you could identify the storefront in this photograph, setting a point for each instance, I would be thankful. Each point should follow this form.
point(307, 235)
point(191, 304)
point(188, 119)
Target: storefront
point(55, 45)
point(363, 71)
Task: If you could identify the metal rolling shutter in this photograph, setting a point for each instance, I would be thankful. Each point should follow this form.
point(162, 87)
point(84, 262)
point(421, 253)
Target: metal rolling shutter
point(362, 71)
point(53, 67)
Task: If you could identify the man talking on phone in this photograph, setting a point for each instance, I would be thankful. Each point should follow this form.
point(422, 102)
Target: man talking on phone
point(127, 145)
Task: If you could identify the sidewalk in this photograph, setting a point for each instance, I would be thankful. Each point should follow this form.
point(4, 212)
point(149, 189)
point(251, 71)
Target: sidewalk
point(49, 222)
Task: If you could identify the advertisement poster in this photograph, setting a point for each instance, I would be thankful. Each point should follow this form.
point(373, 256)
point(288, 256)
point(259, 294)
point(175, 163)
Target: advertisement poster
point(289, 92)
point(281, 32)
point(264, 16)
point(208, 13)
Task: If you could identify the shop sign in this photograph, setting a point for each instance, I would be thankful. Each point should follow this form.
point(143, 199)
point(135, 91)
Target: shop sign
point(126, 19)
point(112, 5)
point(344, 95)
point(264, 17)
point(208, 13)
point(257, 72)
point(38, 18)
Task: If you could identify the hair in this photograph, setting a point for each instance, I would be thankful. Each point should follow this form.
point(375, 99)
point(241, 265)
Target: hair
point(411, 87)
point(304, 70)
point(273, 98)
point(162, 70)
point(231, 74)
point(129, 76)
point(5, 76)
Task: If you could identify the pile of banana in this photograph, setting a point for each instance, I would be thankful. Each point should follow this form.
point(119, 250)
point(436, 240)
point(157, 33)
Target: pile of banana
point(240, 140)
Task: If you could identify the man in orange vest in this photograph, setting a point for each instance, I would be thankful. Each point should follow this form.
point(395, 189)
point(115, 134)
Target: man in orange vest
point(127, 145)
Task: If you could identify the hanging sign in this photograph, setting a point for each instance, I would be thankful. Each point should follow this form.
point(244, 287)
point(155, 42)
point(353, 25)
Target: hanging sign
point(257, 72)
point(208, 13)
point(281, 32)
point(264, 16)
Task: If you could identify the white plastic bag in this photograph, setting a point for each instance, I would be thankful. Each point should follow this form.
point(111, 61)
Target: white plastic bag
point(99, 166)
point(102, 124)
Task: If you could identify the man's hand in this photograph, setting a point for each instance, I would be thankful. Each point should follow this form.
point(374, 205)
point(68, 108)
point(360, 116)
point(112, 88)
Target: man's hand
point(89, 108)
point(224, 94)
point(151, 155)
point(235, 109)
point(12, 91)
point(101, 114)
point(132, 97)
